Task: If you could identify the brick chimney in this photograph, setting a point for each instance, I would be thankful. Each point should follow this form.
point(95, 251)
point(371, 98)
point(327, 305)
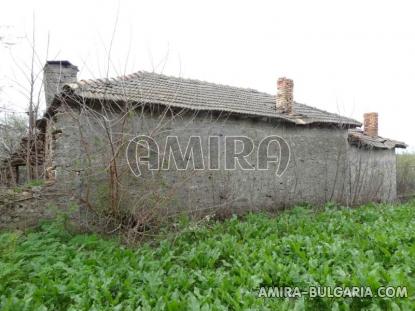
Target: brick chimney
point(56, 73)
point(285, 95)
point(371, 124)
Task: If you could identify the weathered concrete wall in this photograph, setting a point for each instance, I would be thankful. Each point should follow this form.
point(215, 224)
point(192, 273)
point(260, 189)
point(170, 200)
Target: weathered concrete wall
point(63, 158)
point(322, 167)
point(317, 171)
point(372, 175)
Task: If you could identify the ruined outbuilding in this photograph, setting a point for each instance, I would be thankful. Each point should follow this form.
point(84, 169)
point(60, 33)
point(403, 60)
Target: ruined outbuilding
point(86, 127)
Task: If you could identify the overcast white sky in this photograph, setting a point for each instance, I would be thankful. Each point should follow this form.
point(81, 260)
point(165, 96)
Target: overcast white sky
point(348, 57)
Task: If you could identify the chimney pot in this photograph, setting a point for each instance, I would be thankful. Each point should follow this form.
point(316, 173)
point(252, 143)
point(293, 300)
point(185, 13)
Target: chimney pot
point(56, 74)
point(285, 95)
point(370, 124)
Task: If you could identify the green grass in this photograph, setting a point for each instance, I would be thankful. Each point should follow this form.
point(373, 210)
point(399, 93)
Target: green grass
point(217, 267)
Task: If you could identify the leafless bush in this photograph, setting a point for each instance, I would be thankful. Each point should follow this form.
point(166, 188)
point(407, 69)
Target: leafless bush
point(12, 129)
point(20, 138)
point(108, 189)
point(406, 175)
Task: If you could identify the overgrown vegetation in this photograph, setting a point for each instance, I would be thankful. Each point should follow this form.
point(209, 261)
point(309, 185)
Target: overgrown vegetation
point(406, 175)
point(218, 266)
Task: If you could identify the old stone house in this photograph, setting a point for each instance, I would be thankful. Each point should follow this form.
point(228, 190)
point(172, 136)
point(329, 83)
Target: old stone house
point(89, 126)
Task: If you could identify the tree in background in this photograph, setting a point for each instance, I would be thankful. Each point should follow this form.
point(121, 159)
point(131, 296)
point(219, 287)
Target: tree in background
point(406, 175)
point(28, 82)
point(12, 129)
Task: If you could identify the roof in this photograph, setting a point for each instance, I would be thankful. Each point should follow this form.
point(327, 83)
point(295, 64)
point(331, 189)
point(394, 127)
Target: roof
point(146, 87)
point(360, 139)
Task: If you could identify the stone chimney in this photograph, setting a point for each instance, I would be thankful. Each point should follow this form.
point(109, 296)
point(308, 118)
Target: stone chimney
point(57, 73)
point(285, 95)
point(371, 124)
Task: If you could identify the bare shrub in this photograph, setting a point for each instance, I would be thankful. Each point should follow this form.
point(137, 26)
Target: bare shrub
point(406, 175)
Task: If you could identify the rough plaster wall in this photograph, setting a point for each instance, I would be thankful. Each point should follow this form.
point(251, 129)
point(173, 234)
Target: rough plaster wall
point(314, 174)
point(55, 76)
point(317, 172)
point(372, 175)
point(65, 153)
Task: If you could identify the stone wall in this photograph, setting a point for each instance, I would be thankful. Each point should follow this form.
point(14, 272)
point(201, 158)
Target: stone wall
point(317, 170)
point(372, 175)
point(25, 206)
point(63, 148)
point(323, 166)
point(55, 75)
